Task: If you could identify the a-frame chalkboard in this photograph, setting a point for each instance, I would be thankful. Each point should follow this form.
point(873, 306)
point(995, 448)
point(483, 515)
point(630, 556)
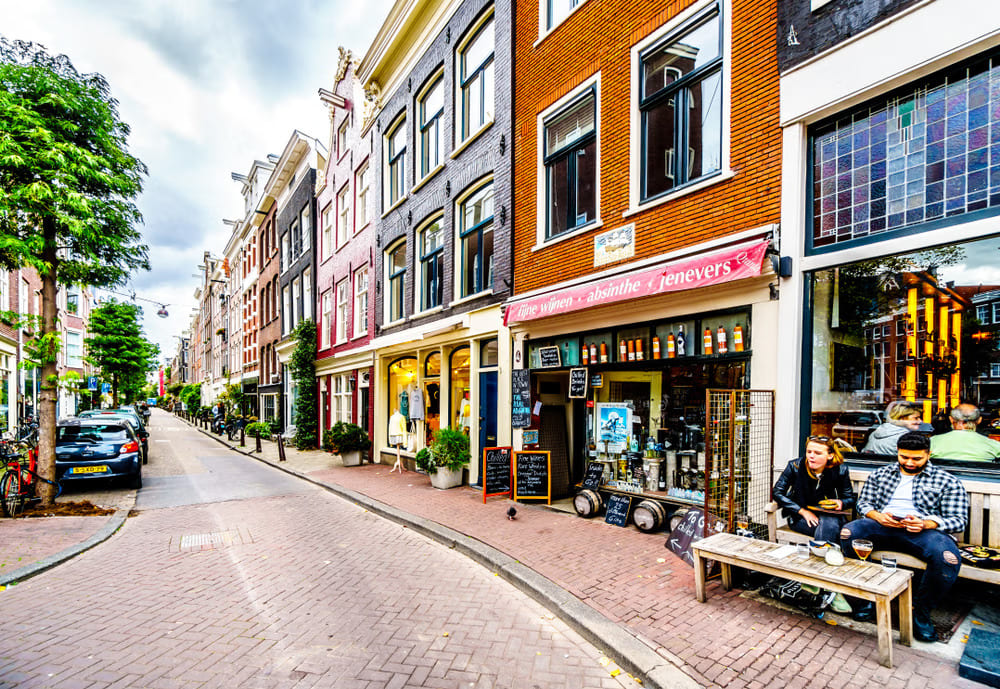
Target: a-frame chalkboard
point(496, 471)
point(532, 477)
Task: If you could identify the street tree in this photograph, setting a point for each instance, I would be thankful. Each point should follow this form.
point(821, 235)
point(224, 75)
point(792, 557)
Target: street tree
point(118, 348)
point(67, 190)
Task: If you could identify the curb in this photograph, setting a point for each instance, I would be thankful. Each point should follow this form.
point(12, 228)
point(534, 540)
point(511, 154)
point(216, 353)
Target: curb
point(105, 532)
point(657, 667)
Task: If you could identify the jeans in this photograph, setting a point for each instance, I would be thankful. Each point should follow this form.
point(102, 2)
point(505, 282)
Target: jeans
point(929, 545)
point(827, 530)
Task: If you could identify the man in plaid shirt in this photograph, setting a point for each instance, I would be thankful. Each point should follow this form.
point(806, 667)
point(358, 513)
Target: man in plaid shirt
point(912, 506)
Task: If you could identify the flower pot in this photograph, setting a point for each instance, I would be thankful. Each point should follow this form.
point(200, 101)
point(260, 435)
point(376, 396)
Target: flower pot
point(351, 459)
point(446, 478)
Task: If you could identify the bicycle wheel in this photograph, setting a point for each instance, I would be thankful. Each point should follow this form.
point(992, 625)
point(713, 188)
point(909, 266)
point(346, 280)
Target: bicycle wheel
point(10, 493)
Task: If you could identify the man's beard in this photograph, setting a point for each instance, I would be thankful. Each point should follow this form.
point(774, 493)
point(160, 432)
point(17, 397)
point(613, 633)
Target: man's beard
point(911, 473)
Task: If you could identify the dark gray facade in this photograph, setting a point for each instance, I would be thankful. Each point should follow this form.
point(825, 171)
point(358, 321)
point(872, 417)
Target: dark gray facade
point(803, 33)
point(485, 155)
point(299, 257)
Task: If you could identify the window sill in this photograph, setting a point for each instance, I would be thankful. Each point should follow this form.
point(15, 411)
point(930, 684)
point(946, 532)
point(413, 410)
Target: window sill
point(393, 324)
point(358, 336)
point(469, 140)
point(427, 312)
point(471, 297)
point(716, 178)
point(427, 178)
point(390, 209)
point(596, 225)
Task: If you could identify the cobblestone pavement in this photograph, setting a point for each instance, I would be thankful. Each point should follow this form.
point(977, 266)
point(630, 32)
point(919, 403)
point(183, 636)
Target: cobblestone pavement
point(297, 590)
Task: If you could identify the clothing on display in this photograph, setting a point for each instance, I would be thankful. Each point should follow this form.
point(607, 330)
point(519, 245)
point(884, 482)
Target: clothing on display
point(397, 428)
point(416, 403)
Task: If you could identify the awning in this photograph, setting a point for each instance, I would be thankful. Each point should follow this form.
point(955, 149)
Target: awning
point(732, 263)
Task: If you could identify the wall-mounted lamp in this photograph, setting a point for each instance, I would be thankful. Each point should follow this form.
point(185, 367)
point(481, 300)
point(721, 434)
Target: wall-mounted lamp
point(781, 265)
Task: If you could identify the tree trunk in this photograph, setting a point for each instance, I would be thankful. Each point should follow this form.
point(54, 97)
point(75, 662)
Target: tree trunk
point(50, 378)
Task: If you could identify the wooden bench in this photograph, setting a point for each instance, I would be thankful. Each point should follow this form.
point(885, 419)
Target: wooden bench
point(983, 528)
point(865, 580)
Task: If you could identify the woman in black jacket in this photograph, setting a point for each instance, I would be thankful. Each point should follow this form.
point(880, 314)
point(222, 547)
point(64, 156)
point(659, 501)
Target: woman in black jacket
point(819, 479)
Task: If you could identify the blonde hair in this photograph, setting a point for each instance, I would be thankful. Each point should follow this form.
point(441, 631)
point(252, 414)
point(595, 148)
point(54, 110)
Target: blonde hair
point(899, 410)
point(832, 445)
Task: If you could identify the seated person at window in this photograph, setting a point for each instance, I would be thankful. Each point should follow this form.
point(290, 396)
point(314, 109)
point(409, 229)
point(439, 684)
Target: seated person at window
point(903, 417)
point(962, 442)
point(912, 506)
point(819, 477)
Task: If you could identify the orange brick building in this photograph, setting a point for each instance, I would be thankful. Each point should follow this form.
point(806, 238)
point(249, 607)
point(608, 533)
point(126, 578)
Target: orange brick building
point(643, 264)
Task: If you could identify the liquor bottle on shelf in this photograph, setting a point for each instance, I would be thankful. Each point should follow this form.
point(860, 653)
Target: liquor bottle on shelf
point(681, 341)
point(656, 347)
point(630, 350)
point(639, 354)
point(604, 352)
point(671, 346)
point(738, 338)
point(721, 339)
point(622, 351)
point(707, 340)
point(593, 353)
point(585, 355)
point(663, 475)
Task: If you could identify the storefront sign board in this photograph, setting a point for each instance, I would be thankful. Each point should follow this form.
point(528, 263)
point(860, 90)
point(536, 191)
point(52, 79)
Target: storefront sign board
point(616, 511)
point(614, 426)
point(496, 471)
point(520, 389)
point(532, 475)
point(614, 245)
point(549, 357)
point(732, 263)
point(597, 380)
point(577, 383)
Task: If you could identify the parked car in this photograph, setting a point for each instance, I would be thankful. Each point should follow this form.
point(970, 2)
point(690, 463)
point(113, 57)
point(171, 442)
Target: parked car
point(129, 415)
point(855, 426)
point(97, 448)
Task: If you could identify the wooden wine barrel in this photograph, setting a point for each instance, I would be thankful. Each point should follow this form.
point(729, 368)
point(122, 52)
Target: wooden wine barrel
point(588, 503)
point(649, 516)
point(677, 517)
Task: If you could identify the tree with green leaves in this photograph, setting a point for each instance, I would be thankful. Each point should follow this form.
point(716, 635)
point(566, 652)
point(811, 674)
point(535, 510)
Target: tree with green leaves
point(118, 348)
point(67, 190)
point(303, 369)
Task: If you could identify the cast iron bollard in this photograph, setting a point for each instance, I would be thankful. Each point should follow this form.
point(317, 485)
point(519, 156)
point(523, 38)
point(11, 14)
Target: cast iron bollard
point(243, 441)
point(258, 442)
point(281, 449)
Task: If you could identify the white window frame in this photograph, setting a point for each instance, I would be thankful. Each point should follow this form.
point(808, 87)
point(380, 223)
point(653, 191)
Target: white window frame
point(541, 194)
point(74, 361)
point(459, 256)
point(387, 281)
point(994, 369)
point(287, 315)
point(307, 300)
point(361, 301)
point(5, 290)
point(325, 319)
point(286, 239)
point(361, 185)
point(546, 24)
point(343, 297)
point(996, 312)
point(390, 162)
point(305, 226)
point(434, 125)
point(327, 233)
point(635, 124)
point(342, 136)
point(420, 265)
point(296, 300)
point(983, 314)
point(460, 50)
point(343, 215)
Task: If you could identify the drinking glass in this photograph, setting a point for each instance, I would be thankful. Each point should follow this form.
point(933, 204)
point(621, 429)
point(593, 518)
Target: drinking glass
point(862, 547)
point(743, 525)
point(888, 562)
point(802, 551)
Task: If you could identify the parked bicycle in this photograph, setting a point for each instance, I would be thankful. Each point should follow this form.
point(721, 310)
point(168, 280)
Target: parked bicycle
point(20, 477)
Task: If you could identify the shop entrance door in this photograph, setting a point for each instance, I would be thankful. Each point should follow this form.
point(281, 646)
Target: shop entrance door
point(487, 415)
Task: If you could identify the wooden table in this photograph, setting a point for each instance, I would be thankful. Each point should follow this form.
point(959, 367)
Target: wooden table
point(865, 580)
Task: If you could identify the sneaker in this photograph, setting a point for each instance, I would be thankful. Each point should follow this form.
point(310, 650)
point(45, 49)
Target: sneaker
point(923, 628)
point(864, 612)
point(840, 604)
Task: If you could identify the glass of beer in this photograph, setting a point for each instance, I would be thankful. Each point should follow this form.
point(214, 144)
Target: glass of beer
point(862, 547)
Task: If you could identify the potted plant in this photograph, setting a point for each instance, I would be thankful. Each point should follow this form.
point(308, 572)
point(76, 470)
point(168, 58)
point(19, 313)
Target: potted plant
point(446, 458)
point(347, 440)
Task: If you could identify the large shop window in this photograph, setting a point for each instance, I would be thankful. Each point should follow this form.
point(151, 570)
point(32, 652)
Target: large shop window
point(476, 233)
point(402, 380)
point(431, 257)
point(476, 79)
point(460, 403)
point(911, 328)
point(571, 166)
point(681, 105)
point(396, 279)
point(913, 158)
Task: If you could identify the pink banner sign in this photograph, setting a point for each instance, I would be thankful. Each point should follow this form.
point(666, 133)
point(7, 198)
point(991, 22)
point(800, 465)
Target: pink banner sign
point(731, 263)
point(162, 390)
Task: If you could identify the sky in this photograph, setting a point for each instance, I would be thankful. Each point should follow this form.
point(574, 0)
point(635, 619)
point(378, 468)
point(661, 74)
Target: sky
point(206, 86)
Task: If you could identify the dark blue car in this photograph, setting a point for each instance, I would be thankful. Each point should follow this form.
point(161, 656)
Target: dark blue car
point(95, 449)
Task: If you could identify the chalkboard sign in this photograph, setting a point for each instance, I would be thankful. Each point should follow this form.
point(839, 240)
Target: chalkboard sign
point(597, 380)
point(496, 471)
point(638, 470)
point(520, 395)
point(577, 383)
point(531, 476)
point(549, 357)
point(616, 511)
point(691, 530)
point(595, 473)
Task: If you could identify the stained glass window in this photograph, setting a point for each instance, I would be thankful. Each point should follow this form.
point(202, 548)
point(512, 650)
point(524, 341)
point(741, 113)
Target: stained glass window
point(924, 154)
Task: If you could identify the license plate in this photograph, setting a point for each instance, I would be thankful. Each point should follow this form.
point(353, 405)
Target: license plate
point(99, 469)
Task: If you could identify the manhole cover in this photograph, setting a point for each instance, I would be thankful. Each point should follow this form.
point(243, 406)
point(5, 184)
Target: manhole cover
point(210, 541)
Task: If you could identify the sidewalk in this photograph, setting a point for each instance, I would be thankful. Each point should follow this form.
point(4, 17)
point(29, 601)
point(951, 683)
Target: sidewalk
point(632, 597)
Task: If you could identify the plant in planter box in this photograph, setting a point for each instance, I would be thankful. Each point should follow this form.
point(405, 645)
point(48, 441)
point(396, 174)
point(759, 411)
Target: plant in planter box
point(348, 440)
point(258, 430)
point(449, 455)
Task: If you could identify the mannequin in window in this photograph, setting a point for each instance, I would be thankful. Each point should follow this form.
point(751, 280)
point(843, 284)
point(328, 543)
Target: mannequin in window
point(465, 413)
point(397, 437)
